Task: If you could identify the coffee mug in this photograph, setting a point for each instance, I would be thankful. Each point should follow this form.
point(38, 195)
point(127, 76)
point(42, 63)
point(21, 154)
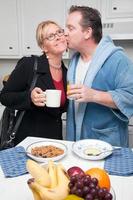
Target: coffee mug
point(53, 98)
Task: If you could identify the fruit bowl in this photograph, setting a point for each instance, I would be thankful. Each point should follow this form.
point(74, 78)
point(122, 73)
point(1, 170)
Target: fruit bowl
point(52, 181)
point(113, 193)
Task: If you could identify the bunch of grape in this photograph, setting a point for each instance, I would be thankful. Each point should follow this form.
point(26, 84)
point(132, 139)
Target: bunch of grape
point(86, 187)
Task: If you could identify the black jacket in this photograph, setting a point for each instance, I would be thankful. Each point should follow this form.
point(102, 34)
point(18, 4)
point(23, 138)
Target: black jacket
point(37, 121)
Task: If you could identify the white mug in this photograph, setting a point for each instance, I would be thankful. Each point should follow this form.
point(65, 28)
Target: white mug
point(53, 98)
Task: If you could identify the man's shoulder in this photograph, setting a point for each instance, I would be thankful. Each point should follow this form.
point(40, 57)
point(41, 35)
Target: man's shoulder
point(119, 55)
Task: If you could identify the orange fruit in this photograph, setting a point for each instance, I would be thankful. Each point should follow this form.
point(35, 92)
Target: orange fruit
point(101, 175)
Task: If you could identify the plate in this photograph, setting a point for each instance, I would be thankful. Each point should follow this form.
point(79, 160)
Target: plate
point(45, 143)
point(80, 147)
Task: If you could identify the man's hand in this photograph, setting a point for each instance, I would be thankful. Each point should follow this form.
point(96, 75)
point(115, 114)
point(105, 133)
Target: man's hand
point(81, 93)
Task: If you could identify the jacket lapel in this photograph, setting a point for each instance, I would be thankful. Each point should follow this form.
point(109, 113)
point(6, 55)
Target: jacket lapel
point(45, 79)
point(45, 75)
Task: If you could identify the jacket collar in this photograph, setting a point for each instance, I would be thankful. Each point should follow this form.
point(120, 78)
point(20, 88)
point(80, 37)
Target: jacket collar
point(43, 65)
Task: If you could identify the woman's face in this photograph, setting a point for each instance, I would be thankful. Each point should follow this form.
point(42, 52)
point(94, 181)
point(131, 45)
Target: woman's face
point(54, 40)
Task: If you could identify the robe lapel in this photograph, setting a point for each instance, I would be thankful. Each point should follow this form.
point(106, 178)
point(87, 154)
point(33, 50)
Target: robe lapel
point(104, 49)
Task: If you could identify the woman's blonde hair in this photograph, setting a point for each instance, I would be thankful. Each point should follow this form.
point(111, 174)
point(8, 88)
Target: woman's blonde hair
point(40, 31)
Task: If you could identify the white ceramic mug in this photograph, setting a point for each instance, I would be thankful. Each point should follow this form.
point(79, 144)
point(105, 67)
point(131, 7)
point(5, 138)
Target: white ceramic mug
point(53, 98)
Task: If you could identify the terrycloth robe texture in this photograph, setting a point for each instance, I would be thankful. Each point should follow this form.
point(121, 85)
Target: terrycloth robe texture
point(79, 129)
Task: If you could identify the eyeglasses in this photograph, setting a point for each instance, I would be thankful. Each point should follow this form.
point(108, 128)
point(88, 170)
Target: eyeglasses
point(52, 36)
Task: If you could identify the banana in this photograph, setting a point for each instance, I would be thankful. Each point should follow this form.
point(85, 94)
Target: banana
point(39, 173)
point(34, 192)
point(60, 192)
point(52, 174)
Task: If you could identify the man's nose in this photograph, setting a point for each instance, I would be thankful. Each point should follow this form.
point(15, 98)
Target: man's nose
point(66, 32)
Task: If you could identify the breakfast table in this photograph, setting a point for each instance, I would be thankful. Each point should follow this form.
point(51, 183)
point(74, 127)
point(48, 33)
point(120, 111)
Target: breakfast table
point(16, 188)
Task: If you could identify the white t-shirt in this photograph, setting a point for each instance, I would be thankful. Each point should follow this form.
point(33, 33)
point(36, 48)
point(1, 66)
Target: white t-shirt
point(81, 70)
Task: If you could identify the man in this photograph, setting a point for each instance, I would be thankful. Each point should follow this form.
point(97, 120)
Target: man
point(101, 81)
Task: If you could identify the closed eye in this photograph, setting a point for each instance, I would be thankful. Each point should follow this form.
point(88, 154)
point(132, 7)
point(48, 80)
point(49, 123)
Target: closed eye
point(70, 28)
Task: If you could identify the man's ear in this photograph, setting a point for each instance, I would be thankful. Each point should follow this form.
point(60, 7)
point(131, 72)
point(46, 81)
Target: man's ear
point(88, 33)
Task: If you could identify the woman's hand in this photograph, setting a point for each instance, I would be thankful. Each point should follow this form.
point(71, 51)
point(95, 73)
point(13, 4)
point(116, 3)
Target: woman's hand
point(38, 97)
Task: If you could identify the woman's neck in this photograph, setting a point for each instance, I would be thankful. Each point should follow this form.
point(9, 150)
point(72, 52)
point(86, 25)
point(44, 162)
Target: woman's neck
point(55, 62)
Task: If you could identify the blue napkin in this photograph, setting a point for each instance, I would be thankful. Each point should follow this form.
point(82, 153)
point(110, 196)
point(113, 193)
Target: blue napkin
point(13, 161)
point(120, 162)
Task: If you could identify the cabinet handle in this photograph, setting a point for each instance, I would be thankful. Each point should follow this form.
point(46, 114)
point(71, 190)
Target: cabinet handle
point(114, 8)
point(28, 47)
point(10, 47)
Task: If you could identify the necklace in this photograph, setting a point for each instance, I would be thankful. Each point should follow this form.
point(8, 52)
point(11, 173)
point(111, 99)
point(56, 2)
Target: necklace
point(58, 67)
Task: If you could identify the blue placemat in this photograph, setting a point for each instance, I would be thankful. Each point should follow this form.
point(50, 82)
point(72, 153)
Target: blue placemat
point(120, 162)
point(13, 161)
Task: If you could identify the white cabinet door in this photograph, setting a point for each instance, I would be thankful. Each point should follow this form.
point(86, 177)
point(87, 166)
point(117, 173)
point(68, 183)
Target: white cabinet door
point(9, 39)
point(118, 8)
point(117, 17)
point(32, 13)
point(90, 3)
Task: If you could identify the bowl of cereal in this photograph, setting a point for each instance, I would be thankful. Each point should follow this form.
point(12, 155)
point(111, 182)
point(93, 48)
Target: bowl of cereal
point(43, 151)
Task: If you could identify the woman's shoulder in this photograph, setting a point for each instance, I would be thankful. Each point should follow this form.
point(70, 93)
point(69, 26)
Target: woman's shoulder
point(26, 63)
point(25, 60)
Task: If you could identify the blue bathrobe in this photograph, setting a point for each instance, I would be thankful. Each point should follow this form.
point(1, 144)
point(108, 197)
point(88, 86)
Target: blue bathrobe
point(112, 72)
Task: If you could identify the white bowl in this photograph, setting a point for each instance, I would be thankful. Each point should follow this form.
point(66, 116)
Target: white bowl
point(45, 143)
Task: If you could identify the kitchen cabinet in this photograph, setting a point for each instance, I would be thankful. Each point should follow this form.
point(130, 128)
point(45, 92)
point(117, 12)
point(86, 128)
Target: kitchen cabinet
point(117, 18)
point(9, 29)
point(94, 4)
point(19, 20)
point(34, 12)
point(118, 9)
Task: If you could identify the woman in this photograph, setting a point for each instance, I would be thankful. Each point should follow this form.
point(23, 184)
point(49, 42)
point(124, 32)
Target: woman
point(39, 120)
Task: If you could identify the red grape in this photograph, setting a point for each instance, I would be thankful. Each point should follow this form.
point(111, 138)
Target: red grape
point(89, 197)
point(79, 192)
point(86, 190)
point(79, 184)
point(94, 181)
point(108, 196)
point(101, 193)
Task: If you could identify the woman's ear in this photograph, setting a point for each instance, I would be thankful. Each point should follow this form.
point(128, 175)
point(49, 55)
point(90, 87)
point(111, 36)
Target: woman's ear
point(43, 48)
point(46, 52)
